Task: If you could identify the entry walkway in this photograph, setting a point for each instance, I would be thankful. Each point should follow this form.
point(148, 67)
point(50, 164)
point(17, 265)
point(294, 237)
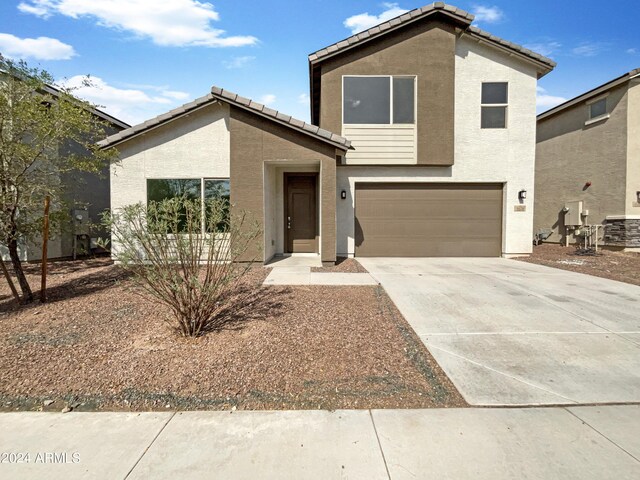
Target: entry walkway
point(296, 270)
point(487, 443)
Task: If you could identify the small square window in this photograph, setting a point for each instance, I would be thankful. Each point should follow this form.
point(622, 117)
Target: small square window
point(597, 109)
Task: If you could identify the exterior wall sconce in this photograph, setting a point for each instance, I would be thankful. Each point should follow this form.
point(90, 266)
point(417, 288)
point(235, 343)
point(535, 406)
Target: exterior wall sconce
point(638, 196)
point(343, 194)
point(522, 194)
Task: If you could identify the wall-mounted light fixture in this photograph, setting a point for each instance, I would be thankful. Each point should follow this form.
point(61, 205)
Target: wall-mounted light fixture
point(343, 194)
point(638, 196)
point(522, 194)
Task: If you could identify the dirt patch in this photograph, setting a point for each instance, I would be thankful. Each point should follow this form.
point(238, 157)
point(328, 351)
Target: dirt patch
point(343, 265)
point(620, 266)
point(99, 345)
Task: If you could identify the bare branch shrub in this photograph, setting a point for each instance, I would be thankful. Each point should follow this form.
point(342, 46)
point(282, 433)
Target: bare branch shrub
point(186, 256)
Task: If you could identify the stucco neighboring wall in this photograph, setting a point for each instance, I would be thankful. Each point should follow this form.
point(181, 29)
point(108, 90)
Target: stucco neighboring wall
point(632, 206)
point(569, 154)
point(425, 49)
point(193, 146)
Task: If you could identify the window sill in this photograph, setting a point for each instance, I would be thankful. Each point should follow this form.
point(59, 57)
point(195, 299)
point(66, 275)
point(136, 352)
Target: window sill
point(597, 119)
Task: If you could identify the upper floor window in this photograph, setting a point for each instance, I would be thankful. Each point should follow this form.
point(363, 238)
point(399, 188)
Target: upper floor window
point(494, 105)
point(379, 100)
point(598, 108)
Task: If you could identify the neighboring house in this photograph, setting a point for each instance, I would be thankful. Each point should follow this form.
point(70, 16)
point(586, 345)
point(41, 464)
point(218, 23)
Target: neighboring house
point(432, 155)
point(87, 196)
point(588, 165)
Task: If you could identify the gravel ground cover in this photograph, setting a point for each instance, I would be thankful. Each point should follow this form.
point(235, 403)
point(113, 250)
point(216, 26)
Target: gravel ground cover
point(615, 265)
point(343, 265)
point(99, 345)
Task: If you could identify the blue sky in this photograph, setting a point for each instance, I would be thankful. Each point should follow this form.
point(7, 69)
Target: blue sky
point(148, 56)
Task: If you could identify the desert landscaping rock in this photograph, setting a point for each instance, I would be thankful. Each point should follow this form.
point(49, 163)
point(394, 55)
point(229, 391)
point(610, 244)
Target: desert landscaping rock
point(614, 265)
point(101, 345)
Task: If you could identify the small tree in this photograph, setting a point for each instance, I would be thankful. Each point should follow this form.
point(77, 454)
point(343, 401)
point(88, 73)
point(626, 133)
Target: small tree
point(45, 133)
point(186, 257)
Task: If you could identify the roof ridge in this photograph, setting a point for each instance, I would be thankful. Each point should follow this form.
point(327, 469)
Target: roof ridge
point(401, 19)
point(248, 104)
point(463, 16)
point(227, 96)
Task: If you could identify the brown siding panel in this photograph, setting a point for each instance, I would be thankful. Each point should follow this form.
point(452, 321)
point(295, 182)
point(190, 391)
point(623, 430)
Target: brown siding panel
point(255, 140)
point(425, 49)
point(428, 220)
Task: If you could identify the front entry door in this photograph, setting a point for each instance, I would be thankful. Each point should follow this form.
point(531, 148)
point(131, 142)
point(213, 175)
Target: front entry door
point(300, 213)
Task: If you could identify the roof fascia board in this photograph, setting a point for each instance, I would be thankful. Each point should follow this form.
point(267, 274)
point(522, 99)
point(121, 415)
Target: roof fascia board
point(602, 89)
point(383, 33)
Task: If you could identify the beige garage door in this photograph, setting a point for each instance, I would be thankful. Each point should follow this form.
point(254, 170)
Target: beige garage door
point(428, 220)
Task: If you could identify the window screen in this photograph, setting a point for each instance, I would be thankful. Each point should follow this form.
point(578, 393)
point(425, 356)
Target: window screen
point(494, 92)
point(367, 100)
point(598, 108)
point(403, 99)
point(494, 117)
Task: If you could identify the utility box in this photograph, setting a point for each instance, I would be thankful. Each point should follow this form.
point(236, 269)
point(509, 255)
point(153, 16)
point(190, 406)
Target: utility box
point(573, 214)
point(81, 224)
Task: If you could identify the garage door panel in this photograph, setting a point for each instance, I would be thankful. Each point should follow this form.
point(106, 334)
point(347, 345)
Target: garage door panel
point(428, 220)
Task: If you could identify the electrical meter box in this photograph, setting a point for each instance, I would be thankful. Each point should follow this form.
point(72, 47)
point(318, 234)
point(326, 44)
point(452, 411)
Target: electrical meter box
point(573, 213)
point(80, 219)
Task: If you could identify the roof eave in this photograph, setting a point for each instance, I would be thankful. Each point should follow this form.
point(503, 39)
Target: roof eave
point(594, 92)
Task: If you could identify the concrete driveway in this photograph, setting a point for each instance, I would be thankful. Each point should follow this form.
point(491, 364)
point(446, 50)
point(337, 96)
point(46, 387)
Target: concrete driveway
point(513, 333)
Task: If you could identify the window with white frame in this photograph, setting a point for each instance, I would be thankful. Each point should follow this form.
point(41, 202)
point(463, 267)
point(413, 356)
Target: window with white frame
point(494, 105)
point(378, 100)
point(205, 189)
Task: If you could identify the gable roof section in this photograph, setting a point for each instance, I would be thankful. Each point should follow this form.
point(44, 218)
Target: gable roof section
point(51, 90)
point(591, 93)
point(221, 95)
point(454, 14)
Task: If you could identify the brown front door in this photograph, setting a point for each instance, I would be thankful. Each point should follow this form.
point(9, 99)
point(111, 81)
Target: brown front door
point(300, 213)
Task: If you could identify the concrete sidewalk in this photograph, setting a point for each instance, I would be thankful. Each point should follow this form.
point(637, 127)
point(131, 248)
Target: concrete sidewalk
point(503, 443)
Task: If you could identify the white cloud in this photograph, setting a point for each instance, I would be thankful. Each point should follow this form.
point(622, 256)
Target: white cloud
point(166, 22)
point(132, 105)
point(588, 49)
point(544, 48)
point(267, 99)
point(238, 62)
point(544, 101)
point(484, 14)
point(632, 51)
point(176, 95)
point(364, 21)
point(303, 99)
point(41, 48)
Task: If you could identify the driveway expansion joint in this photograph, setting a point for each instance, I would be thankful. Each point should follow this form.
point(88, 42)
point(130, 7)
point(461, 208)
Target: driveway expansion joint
point(150, 445)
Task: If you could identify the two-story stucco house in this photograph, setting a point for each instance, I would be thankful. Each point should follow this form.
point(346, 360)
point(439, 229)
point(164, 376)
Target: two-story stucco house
point(588, 165)
point(422, 143)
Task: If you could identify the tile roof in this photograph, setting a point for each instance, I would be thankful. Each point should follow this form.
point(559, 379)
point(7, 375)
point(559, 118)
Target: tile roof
point(461, 16)
point(219, 94)
point(599, 90)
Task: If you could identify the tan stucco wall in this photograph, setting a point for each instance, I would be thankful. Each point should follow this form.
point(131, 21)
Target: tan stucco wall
point(425, 49)
point(255, 141)
point(570, 153)
point(632, 206)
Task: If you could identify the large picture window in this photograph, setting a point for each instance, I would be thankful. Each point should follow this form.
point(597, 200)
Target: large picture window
point(378, 100)
point(192, 189)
